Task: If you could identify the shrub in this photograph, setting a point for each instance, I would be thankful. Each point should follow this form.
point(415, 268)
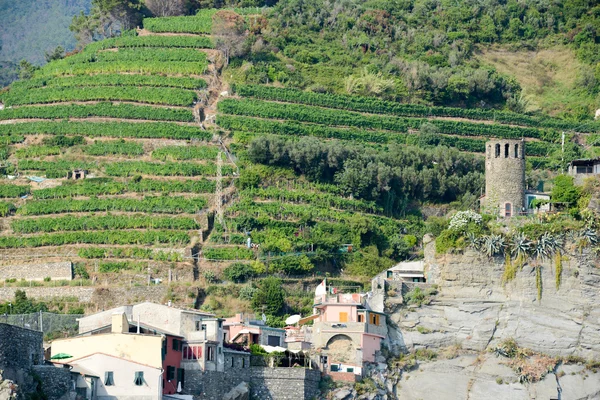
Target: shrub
point(238, 272)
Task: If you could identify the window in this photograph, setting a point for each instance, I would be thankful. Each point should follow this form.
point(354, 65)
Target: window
point(210, 353)
point(181, 376)
point(585, 169)
point(497, 150)
point(508, 210)
point(273, 340)
point(198, 325)
point(170, 373)
point(243, 362)
point(335, 368)
point(138, 379)
point(516, 151)
point(176, 345)
point(361, 318)
point(232, 362)
point(506, 150)
point(192, 352)
point(374, 319)
point(108, 379)
point(349, 369)
point(343, 317)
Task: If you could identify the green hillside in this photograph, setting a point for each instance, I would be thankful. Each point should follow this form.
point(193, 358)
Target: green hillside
point(329, 152)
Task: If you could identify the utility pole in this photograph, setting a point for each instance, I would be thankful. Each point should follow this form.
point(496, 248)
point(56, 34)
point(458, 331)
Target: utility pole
point(219, 189)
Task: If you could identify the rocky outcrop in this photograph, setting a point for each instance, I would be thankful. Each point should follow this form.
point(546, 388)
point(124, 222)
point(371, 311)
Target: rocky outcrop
point(475, 310)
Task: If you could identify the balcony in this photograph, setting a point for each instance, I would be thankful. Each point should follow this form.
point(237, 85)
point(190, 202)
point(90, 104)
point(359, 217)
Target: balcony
point(358, 327)
point(341, 298)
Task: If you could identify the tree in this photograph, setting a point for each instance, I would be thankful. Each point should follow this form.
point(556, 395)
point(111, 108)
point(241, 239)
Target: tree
point(26, 69)
point(565, 191)
point(238, 272)
point(229, 33)
point(106, 19)
point(270, 297)
point(166, 8)
point(56, 54)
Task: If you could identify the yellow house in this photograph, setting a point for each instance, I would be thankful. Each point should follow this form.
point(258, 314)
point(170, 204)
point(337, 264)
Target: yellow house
point(144, 349)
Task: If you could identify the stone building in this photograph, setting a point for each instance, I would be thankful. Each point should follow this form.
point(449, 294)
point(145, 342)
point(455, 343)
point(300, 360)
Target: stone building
point(20, 350)
point(584, 168)
point(505, 178)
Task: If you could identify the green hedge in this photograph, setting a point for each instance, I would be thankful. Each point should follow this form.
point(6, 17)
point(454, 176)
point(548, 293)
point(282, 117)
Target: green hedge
point(37, 151)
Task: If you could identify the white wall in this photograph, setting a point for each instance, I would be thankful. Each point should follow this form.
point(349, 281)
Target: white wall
point(123, 376)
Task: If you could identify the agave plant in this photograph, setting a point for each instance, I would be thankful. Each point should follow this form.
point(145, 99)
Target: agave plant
point(589, 236)
point(547, 245)
point(474, 241)
point(493, 245)
point(520, 246)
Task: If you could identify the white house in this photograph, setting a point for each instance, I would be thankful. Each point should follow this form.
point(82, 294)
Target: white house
point(105, 377)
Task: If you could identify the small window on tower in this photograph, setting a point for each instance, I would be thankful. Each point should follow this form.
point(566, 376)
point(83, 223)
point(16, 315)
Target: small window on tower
point(516, 151)
point(506, 150)
point(508, 210)
point(497, 150)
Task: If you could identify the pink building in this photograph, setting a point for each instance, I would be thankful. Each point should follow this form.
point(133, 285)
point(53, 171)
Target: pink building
point(243, 329)
point(346, 334)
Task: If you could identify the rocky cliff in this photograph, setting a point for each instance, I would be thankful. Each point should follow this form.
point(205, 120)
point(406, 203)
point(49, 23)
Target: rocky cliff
point(475, 310)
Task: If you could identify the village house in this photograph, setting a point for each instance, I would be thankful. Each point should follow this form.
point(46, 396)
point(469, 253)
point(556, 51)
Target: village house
point(584, 168)
point(345, 334)
point(201, 333)
point(243, 329)
point(128, 347)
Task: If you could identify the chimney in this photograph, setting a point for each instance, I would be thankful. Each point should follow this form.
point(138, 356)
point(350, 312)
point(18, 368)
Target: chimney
point(119, 323)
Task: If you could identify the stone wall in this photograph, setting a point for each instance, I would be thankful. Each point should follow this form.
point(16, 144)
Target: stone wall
point(56, 382)
point(20, 349)
point(104, 297)
point(265, 383)
point(38, 272)
point(284, 383)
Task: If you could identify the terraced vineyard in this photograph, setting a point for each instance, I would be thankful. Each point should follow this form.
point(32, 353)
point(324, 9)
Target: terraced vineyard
point(130, 112)
point(126, 111)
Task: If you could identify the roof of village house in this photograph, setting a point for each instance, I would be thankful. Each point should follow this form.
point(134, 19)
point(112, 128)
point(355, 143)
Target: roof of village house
point(585, 161)
point(135, 324)
point(409, 266)
point(188, 310)
point(99, 353)
point(77, 369)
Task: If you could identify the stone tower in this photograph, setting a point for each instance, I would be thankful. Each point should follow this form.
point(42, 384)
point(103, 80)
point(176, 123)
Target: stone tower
point(505, 177)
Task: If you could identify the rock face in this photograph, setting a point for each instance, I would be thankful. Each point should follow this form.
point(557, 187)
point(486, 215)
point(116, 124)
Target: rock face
point(474, 310)
point(486, 377)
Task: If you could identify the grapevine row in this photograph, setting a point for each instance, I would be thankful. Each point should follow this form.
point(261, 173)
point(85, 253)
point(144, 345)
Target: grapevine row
point(148, 130)
point(8, 190)
point(198, 42)
point(101, 222)
point(123, 110)
point(185, 153)
point(120, 237)
point(105, 186)
point(129, 252)
point(166, 96)
point(156, 204)
point(112, 80)
point(118, 147)
point(377, 106)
